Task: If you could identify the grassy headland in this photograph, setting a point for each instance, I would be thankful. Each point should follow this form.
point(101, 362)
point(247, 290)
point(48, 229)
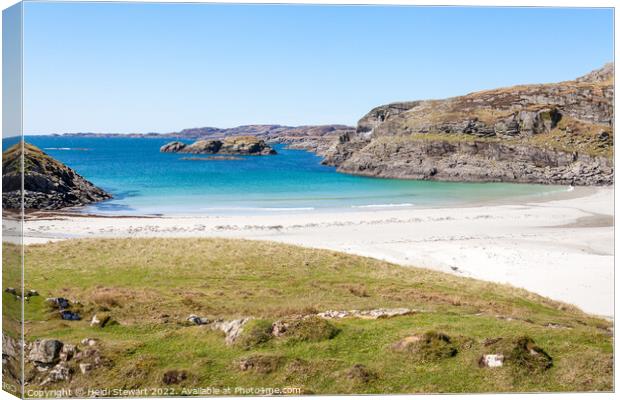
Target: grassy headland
point(150, 287)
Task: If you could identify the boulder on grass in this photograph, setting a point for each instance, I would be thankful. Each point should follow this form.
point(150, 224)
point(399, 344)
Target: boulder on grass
point(45, 351)
point(491, 361)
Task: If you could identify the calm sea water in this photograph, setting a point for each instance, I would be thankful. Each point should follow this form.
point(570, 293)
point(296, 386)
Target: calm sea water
point(145, 181)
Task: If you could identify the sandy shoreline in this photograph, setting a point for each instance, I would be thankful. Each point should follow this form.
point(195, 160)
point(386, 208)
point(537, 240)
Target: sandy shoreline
point(561, 248)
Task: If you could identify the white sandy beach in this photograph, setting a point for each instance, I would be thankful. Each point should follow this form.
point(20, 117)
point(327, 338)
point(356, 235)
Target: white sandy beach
point(562, 248)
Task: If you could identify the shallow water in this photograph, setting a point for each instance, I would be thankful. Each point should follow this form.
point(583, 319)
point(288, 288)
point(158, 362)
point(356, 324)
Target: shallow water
point(145, 181)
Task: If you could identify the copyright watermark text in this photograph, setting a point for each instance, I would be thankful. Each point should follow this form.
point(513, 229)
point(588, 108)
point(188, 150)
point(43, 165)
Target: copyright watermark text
point(163, 391)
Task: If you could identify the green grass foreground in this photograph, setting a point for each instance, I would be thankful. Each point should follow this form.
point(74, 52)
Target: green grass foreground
point(151, 286)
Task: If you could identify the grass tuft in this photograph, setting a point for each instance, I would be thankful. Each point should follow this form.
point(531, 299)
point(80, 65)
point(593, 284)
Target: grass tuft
point(530, 357)
point(255, 332)
point(310, 329)
point(433, 346)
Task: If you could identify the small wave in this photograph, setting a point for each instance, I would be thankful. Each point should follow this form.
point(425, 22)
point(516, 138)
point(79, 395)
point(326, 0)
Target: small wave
point(67, 148)
point(385, 205)
point(570, 188)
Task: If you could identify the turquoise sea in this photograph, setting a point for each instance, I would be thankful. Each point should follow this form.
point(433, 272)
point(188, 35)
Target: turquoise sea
point(145, 181)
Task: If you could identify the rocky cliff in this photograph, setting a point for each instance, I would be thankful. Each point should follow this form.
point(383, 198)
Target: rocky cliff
point(48, 184)
point(558, 133)
point(241, 145)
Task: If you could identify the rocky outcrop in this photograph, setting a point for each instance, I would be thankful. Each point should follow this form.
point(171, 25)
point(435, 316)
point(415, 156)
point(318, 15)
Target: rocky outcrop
point(49, 361)
point(378, 313)
point(557, 133)
point(476, 161)
point(173, 147)
point(203, 147)
point(232, 329)
point(45, 352)
point(236, 145)
point(12, 352)
point(604, 74)
point(343, 148)
point(48, 184)
point(309, 324)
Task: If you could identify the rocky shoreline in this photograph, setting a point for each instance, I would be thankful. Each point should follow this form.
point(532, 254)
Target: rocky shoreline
point(473, 161)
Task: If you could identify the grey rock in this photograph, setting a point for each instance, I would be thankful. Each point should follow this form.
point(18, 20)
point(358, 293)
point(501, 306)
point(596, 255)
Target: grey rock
point(367, 314)
point(89, 342)
point(67, 352)
point(232, 329)
point(203, 147)
point(599, 75)
point(10, 347)
point(45, 351)
point(491, 361)
point(60, 372)
point(172, 147)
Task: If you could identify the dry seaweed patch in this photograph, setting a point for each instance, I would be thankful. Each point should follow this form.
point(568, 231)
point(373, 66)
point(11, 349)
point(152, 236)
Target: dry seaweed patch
point(151, 280)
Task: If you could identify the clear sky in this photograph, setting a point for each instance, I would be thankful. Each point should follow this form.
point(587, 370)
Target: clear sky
point(123, 67)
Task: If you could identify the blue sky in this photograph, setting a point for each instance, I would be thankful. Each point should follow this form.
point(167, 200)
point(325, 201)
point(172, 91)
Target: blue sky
point(123, 67)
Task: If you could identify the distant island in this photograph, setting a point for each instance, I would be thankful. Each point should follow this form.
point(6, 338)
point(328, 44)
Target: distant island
point(236, 145)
